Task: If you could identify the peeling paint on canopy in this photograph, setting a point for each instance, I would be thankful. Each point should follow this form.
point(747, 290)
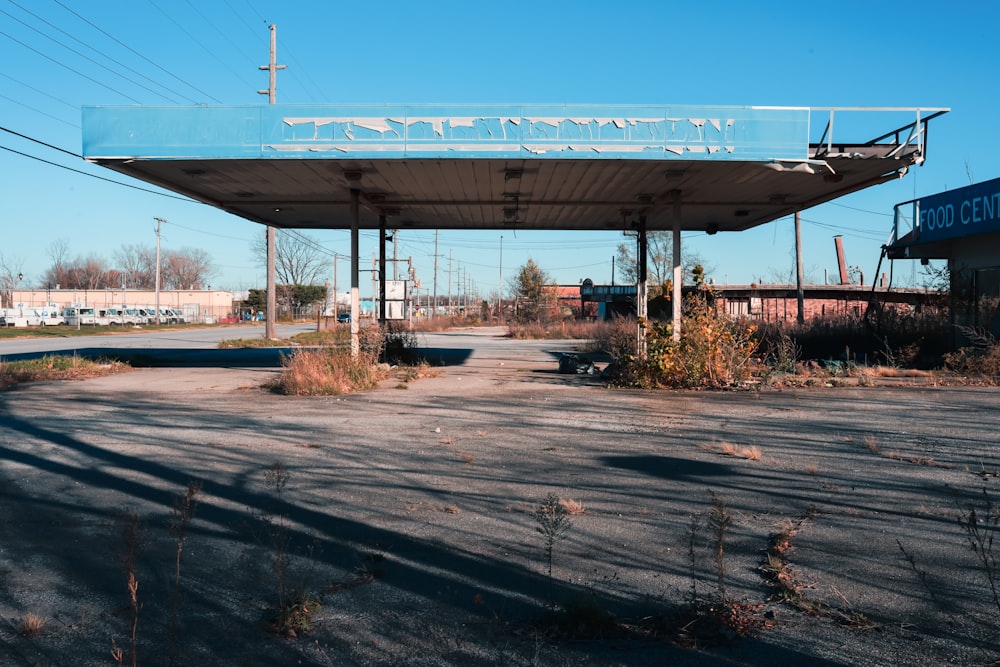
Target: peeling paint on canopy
point(273, 131)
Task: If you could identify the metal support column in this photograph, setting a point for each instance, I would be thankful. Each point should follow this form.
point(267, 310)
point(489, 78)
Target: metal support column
point(381, 267)
point(355, 271)
point(641, 301)
point(799, 290)
point(678, 273)
point(271, 316)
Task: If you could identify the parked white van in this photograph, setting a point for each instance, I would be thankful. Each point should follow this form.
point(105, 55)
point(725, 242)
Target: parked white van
point(79, 315)
point(13, 317)
point(46, 316)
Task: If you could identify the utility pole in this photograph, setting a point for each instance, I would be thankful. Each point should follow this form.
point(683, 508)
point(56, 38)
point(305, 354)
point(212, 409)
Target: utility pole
point(449, 281)
point(272, 95)
point(395, 254)
point(159, 221)
point(435, 304)
point(500, 286)
point(272, 68)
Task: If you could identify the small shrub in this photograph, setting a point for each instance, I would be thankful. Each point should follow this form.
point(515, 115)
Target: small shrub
point(980, 529)
point(714, 351)
point(719, 520)
point(180, 520)
point(295, 617)
point(553, 524)
point(132, 534)
point(980, 359)
point(399, 345)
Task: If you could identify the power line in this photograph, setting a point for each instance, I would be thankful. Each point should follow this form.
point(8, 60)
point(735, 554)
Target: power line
point(134, 52)
point(78, 73)
point(861, 210)
point(224, 35)
point(39, 111)
point(41, 143)
point(202, 231)
point(197, 41)
point(41, 92)
point(101, 65)
point(100, 178)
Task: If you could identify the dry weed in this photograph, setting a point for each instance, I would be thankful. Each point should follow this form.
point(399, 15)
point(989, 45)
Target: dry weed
point(729, 449)
point(751, 453)
point(572, 506)
point(31, 625)
point(326, 371)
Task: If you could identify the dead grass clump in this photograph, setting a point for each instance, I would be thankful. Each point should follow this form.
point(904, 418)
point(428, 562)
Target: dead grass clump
point(572, 506)
point(339, 337)
point(328, 372)
point(729, 449)
point(234, 343)
point(56, 367)
point(31, 625)
point(557, 330)
point(751, 453)
point(980, 359)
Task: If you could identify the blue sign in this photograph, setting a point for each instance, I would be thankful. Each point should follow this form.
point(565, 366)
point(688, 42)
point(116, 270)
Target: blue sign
point(967, 211)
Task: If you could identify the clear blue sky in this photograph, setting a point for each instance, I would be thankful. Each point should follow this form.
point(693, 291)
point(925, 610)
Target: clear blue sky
point(62, 54)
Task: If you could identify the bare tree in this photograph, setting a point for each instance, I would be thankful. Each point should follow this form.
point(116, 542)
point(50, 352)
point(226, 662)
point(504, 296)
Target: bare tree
point(85, 273)
point(298, 258)
point(138, 264)
point(56, 275)
point(188, 268)
point(74, 272)
point(10, 276)
point(659, 261)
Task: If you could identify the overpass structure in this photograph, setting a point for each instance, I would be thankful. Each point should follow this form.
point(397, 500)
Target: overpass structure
point(508, 167)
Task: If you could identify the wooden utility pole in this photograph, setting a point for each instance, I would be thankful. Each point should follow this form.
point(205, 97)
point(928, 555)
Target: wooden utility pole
point(159, 221)
point(435, 306)
point(272, 68)
point(272, 95)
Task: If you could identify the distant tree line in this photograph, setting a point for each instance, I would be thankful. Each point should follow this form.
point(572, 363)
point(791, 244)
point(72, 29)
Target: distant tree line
point(296, 298)
point(133, 266)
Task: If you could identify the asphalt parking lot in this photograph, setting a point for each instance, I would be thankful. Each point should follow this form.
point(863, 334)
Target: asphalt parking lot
point(408, 512)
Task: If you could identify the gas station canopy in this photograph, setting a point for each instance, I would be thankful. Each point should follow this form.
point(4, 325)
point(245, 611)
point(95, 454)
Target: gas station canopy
point(508, 166)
